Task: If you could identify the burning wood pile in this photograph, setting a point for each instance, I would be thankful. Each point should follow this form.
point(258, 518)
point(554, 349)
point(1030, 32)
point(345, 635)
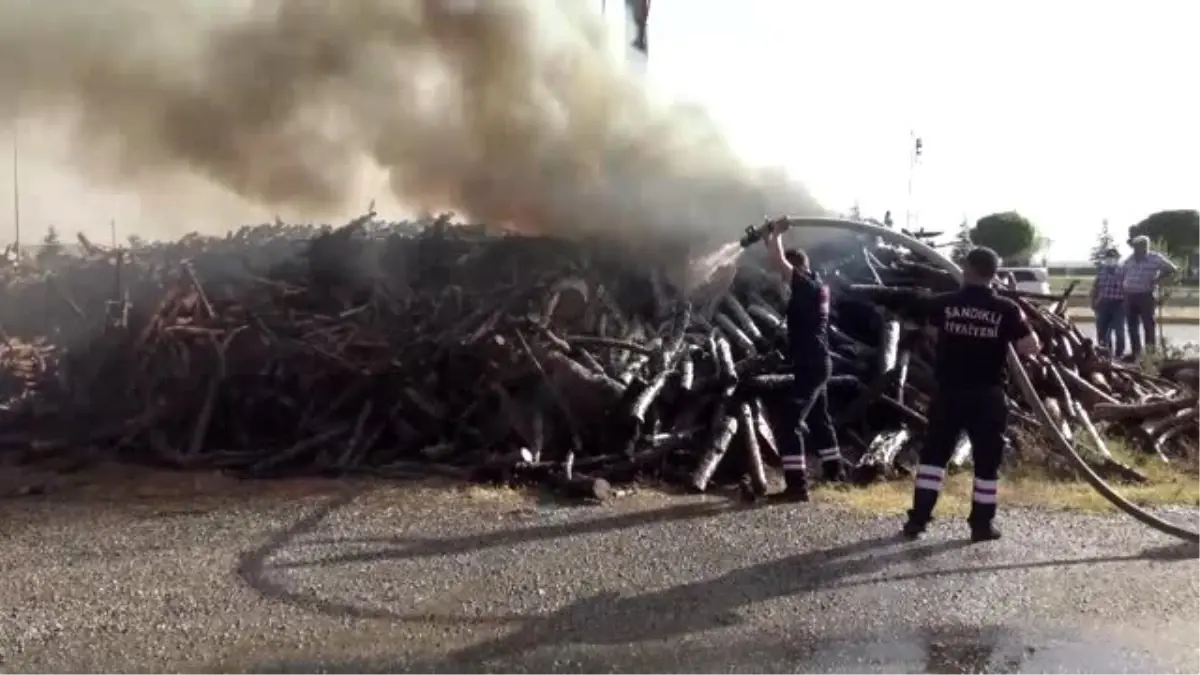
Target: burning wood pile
point(402, 349)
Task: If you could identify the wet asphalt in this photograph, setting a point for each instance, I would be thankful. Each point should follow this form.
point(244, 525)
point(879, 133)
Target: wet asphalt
point(361, 578)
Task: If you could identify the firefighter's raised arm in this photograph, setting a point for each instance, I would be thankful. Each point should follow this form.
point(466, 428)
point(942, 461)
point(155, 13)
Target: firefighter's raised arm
point(778, 255)
point(1024, 339)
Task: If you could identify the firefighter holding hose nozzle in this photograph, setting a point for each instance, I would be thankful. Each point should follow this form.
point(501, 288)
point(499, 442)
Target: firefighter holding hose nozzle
point(808, 338)
point(973, 328)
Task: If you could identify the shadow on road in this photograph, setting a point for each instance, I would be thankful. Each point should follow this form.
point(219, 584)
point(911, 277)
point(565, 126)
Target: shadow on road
point(942, 649)
point(609, 619)
point(255, 571)
point(1170, 552)
point(411, 548)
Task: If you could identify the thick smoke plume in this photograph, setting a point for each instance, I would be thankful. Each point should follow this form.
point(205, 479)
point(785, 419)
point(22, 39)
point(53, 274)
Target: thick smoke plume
point(510, 111)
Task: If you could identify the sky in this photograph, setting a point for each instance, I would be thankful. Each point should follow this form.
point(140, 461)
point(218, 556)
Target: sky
point(1067, 112)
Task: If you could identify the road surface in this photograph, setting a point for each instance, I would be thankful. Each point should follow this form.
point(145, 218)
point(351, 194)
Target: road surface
point(317, 577)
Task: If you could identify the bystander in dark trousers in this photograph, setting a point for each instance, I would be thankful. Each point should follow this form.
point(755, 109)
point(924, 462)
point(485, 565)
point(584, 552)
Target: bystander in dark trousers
point(1139, 315)
point(1110, 325)
point(808, 403)
point(983, 415)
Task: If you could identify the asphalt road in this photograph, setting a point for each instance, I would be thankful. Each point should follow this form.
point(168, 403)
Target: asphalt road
point(303, 577)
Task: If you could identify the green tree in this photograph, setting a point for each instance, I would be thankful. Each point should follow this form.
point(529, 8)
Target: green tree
point(1179, 230)
point(1008, 233)
point(1104, 241)
point(962, 242)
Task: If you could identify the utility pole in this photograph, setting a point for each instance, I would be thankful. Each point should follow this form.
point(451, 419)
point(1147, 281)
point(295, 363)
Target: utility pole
point(639, 11)
point(16, 182)
point(914, 158)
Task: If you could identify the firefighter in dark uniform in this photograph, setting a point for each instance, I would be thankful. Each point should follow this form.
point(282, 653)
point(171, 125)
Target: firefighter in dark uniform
point(973, 327)
point(808, 341)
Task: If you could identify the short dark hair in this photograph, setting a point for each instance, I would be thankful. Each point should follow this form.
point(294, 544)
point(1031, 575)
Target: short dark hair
point(983, 261)
point(797, 257)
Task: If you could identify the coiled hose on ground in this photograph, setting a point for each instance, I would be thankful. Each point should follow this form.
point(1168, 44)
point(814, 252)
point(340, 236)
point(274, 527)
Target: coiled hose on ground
point(1065, 447)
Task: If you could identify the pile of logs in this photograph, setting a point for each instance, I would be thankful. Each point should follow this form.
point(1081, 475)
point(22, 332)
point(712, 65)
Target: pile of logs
point(401, 349)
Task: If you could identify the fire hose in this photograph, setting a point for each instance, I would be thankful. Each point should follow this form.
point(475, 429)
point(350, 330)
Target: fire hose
point(1015, 367)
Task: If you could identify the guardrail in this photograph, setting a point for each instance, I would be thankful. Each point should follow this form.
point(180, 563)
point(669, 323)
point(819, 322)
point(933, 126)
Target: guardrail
point(1180, 291)
point(1085, 277)
point(1082, 301)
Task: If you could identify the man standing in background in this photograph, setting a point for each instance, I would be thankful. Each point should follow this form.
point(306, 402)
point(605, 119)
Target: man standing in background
point(1108, 304)
point(1141, 275)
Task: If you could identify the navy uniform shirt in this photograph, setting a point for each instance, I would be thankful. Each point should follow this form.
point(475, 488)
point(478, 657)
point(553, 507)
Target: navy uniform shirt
point(975, 326)
point(808, 319)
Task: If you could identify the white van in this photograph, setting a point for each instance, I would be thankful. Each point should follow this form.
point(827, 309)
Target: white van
point(1031, 279)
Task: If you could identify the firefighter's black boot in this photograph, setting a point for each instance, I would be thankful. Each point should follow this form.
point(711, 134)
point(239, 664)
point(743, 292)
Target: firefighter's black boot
point(833, 470)
point(984, 532)
point(914, 527)
point(981, 520)
point(921, 514)
point(795, 489)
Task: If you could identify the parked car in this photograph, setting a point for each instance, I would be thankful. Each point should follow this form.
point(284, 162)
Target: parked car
point(1031, 279)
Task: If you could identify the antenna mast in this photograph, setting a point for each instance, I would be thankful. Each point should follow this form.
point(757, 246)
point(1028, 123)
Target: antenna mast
point(16, 187)
point(639, 11)
point(914, 160)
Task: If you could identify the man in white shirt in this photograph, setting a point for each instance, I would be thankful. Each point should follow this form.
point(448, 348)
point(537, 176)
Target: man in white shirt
point(1142, 272)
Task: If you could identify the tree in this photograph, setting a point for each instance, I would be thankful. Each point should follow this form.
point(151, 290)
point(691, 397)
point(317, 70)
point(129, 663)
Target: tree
point(1008, 233)
point(1178, 229)
point(1104, 242)
point(51, 247)
point(855, 212)
point(962, 242)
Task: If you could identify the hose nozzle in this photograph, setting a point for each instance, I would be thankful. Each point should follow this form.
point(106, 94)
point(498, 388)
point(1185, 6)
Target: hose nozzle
point(755, 234)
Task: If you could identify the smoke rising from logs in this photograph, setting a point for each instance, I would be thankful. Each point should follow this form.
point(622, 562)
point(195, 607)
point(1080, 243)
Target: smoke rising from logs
point(511, 112)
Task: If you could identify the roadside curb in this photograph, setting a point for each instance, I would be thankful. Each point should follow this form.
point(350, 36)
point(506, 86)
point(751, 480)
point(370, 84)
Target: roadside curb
point(1165, 321)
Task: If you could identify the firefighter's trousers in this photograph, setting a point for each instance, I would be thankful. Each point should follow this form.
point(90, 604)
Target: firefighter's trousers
point(808, 402)
point(983, 415)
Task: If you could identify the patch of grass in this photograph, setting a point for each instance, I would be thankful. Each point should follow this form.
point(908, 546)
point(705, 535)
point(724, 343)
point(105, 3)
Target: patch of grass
point(1176, 484)
point(501, 494)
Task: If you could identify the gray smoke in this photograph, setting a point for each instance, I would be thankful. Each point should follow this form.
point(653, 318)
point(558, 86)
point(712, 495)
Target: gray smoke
point(510, 111)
